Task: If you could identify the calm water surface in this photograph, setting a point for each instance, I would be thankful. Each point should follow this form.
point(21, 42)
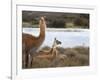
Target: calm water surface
point(68, 38)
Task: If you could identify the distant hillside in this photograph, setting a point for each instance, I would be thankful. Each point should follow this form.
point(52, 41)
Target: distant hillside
point(55, 19)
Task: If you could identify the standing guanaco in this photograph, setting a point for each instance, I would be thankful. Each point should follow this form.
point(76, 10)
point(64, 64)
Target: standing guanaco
point(31, 43)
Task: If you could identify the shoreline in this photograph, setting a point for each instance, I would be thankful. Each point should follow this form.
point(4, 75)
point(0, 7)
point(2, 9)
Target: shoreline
point(62, 29)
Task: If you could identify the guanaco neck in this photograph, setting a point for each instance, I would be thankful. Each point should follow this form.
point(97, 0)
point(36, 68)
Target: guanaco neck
point(42, 32)
point(41, 36)
point(42, 26)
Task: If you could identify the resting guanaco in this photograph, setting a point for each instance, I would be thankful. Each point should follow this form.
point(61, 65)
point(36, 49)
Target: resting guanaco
point(52, 54)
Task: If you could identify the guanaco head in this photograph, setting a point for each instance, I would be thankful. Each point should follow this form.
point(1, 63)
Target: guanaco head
point(42, 22)
point(56, 43)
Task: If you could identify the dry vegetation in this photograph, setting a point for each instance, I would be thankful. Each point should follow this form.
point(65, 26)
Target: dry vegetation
point(77, 56)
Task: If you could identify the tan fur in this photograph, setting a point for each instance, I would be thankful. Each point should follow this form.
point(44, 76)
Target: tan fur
point(31, 43)
point(51, 55)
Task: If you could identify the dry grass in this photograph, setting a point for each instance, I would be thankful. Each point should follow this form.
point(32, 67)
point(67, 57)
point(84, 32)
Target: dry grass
point(77, 56)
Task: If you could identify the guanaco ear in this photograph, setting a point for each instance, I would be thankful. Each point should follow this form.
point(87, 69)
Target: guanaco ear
point(55, 39)
point(58, 42)
point(42, 18)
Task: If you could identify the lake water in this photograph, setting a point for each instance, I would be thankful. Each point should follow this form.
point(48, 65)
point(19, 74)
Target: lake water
point(68, 37)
